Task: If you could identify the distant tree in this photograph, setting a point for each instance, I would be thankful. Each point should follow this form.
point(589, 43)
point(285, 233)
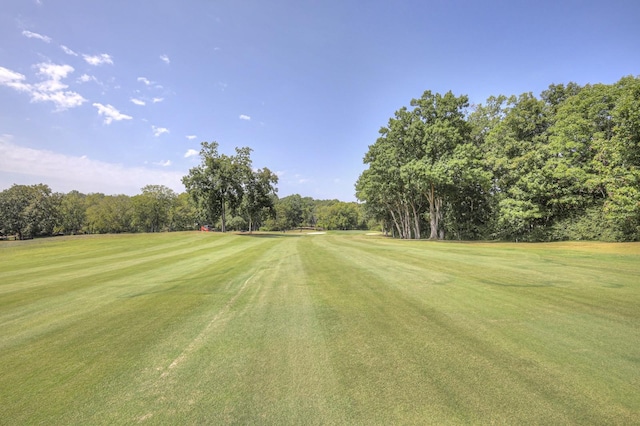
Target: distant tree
point(28, 211)
point(340, 215)
point(73, 212)
point(109, 214)
point(152, 208)
point(183, 215)
point(218, 183)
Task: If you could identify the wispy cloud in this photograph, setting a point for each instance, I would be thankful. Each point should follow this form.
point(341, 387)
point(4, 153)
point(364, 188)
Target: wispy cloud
point(138, 102)
point(156, 100)
point(144, 80)
point(11, 79)
point(65, 173)
point(190, 153)
point(85, 78)
point(165, 59)
point(163, 163)
point(244, 117)
point(50, 89)
point(191, 137)
point(111, 113)
point(68, 51)
point(30, 34)
point(96, 60)
point(157, 131)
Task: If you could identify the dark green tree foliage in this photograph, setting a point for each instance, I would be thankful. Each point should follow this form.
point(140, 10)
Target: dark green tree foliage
point(424, 160)
point(73, 212)
point(183, 215)
point(28, 211)
point(109, 214)
point(218, 183)
point(152, 209)
point(562, 166)
point(258, 199)
point(339, 215)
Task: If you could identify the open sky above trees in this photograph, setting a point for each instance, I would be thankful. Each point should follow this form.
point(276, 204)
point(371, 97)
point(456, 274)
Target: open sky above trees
point(112, 96)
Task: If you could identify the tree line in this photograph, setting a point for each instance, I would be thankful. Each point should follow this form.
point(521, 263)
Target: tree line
point(561, 166)
point(224, 192)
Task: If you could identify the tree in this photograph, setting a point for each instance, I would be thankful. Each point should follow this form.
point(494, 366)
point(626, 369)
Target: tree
point(289, 212)
point(218, 183)
point(424, 158)
point(515, 150)
point(339, 215)
point(109, 214)
point(28, 211)
point(183, 214)
point(152, 208)
point(73, 210)
point(386, 188)
point(258, 197)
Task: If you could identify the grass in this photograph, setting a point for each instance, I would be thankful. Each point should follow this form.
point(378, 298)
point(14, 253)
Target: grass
point(342, 328)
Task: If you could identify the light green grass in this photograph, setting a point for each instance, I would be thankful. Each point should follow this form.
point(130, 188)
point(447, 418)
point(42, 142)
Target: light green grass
point(342, 328)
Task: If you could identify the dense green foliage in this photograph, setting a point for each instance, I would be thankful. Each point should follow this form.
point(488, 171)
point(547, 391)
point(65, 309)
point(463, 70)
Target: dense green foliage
point(562, 166)
point(342, 328)
point(28, 211)
point(294, 211)
point(227, 183)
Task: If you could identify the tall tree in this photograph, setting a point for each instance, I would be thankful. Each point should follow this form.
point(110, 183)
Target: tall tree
point(516, 150)
point(218, 183)
point(259, 194)
point(386, 187)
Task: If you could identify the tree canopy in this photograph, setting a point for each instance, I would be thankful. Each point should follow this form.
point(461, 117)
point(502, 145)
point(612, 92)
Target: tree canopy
point(561, 166)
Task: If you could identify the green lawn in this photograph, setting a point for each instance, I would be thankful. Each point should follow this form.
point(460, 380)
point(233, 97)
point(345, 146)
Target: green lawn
point(204, 328)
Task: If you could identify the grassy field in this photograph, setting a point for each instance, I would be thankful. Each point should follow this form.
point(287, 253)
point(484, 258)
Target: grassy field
point(204, 328)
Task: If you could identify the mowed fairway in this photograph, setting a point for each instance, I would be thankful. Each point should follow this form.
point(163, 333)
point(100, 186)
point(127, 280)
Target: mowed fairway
point(204, 328)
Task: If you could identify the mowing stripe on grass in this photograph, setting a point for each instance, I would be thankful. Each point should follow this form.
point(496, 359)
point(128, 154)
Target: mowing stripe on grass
point(204, 328)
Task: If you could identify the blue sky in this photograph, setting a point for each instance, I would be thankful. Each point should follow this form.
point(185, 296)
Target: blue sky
point(109, 96)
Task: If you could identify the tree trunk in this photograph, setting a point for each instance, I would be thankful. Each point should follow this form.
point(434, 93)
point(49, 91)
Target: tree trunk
point(223, 218)
point(395, 222)
point(433, 213)
point(416, 222)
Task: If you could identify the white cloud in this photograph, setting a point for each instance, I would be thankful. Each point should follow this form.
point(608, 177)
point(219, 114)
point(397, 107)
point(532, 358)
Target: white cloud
point(30, 34)
point(68, 51)
point(144, 80)
point(190, 153)
point(138, 101)
point(65, 173)
point(244, 117)
point(54, 73)
point(156, 100)
point(85, 78)
point(157, 131)
point(51, 89)
point(62, 100)
point(11, 78)
point(110, 113)
point(191, 137)
point(163, 163)
point(96, 60)
point(165, 59)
